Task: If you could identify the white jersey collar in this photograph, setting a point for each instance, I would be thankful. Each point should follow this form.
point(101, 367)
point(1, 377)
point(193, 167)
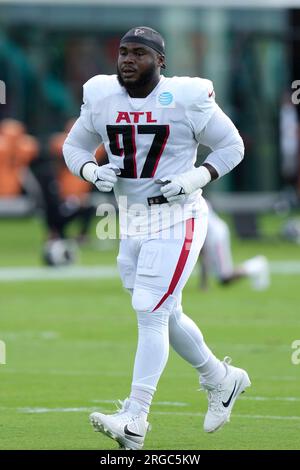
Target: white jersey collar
point(138, 103)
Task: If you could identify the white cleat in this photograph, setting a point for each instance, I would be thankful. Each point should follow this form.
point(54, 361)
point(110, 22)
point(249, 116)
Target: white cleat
point(128, 426)
point(221, 397)
point(259, 272)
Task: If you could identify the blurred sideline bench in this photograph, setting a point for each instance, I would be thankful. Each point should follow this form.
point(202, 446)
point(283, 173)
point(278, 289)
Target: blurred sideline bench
point(245, 209)
point(247, 203)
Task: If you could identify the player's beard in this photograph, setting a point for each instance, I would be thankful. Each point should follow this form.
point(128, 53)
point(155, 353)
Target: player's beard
point(144, 78)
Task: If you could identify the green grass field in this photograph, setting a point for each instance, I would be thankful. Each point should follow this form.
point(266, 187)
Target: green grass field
point(71, 344)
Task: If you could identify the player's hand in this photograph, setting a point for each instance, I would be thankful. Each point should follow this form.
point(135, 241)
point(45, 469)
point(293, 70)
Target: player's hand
point(171, 190)
point(185, 183)
point(103, 177)
point(106, 177)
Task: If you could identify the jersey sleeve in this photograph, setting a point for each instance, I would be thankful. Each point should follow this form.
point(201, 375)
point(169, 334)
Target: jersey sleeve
point(83, 139)
point(80, 147)
point(223, 138)
point(201, 104)
point(86, 115)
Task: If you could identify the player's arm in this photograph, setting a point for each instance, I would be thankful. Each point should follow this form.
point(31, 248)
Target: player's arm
point(79, 152)
point(80, 147)
point(223, 138)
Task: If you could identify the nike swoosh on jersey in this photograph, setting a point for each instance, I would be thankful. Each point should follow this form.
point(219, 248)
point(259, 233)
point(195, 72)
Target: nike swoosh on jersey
point(227, 403)
point(210, 94)
point(129, 433)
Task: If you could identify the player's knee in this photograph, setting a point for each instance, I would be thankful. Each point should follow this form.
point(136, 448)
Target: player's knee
point(146, 300)
point(143, 300)
point(176, 313)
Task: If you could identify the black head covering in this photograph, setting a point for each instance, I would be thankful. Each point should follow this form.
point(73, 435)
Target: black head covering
point(147, 36)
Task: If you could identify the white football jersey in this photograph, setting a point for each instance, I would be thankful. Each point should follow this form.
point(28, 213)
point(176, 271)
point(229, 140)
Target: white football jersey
point(148, 139)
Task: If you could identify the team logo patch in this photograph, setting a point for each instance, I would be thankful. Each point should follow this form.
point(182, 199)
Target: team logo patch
point(139, 32)
point(165, 100)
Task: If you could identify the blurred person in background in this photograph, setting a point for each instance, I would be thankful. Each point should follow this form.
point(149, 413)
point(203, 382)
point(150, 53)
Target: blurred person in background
point(67, 199)
point(289, 144)
point(289, 139)
point(216, 258)
point(17, 151)
point(74, 193)
point(151, 126)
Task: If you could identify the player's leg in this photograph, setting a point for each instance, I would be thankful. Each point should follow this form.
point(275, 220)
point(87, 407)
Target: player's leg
point(223, 382)
point(217, 258)
point(187, 340)
point(215, 376)
point(217, 251)
point(185, 336)
point(113, 425)
point(164, 265)
point(127, 262)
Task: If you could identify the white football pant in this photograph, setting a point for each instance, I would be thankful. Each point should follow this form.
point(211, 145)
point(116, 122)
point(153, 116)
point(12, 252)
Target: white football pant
point(155, 271)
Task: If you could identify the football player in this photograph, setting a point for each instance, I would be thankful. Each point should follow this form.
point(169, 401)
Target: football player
point(216, 258)
point(151, 126)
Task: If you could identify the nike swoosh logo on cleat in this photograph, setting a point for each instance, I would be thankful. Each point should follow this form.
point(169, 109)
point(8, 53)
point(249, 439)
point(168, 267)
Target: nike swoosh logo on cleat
point(129, 433)
point(227, 403)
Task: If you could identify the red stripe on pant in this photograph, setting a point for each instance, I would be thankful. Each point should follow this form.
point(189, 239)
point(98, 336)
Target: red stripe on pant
point(189, 233)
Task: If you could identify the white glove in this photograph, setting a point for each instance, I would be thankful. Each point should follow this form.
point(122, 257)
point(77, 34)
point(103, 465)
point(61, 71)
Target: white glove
point(170, 189)
point(175, 187)
point(103, 177)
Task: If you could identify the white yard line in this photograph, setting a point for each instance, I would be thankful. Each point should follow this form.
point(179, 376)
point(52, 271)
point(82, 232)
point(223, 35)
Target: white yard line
point(165, 413)
point(289, 399)
point(240, 416)
point(285, 267)
point(105, 373)
point(12, 274)
point(157, 403)
point(56, 274)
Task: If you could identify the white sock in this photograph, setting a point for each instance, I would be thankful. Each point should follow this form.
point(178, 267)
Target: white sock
point(143, 396)
point(212, 372)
